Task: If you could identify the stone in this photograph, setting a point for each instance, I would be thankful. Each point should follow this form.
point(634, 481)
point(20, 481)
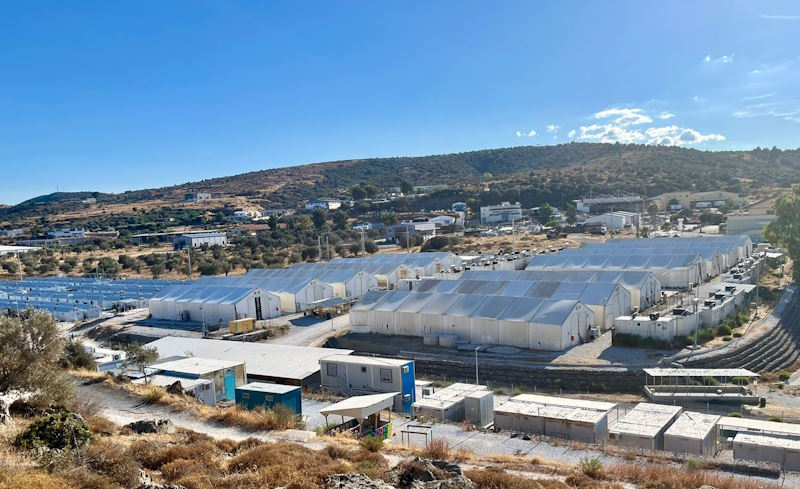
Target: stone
point(353, 481)
point(152, 426)
point(146, 482)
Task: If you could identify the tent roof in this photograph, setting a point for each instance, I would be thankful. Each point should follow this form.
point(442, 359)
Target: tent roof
point(361, 407)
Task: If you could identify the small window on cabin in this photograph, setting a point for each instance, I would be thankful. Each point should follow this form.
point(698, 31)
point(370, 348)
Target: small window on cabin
point(332, 370)
point(406, 397)
point(363, 370)
point(268, 398)
point(245, 395)
point(386, 375)
point(406, 369)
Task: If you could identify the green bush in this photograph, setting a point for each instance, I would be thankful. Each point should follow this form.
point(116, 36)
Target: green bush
point(740, 380)
point(693, 463)
point(735, 414)
point(76, 356)
point(371, 443)
point(737, 335)
point(592, 467)
point(724, 330)
point(784, 376)
point(727, 338)
point(776, 419)
point(60, 430)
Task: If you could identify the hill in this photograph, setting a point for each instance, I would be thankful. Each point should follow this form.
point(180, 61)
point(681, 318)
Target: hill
point(534, 173)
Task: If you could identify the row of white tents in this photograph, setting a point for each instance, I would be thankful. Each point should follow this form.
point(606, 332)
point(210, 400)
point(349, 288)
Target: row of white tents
point(677, 262)
point(644, 287)
point(607, 300)
point(268, 293)
point(522, 322)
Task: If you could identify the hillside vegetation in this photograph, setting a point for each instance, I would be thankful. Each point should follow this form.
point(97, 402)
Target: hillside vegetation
point(537, 173)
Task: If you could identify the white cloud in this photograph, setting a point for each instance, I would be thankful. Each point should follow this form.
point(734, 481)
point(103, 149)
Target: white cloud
point(571, 133)
point(666, 115)
point(553, 127)
point(519, 134)
point(624, 116)
point(531, 133)
point(724, 59)
point(609, 133)
point(780, 17)
point(678, 136)
point(757, 97)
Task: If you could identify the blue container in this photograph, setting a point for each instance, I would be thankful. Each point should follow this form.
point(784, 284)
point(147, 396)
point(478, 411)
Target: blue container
point(255, 394)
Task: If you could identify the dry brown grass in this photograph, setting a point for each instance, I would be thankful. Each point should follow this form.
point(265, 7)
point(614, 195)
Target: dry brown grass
point(109, 459)
point(497, 479)
point(663, 477)
point(280, 418)
point(26, 479)
point(438, 449)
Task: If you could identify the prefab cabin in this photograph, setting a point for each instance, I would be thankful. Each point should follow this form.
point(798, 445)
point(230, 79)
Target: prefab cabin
point(260, 394)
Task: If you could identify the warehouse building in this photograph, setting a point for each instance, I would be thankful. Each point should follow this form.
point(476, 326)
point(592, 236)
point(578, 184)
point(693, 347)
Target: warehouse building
point(556, 417)
point(196, 240)
point(609, 203)
point(265, 362)
point(213, 304)
point(398, 233)
point(448, 404)
point(693, 433)
point(730, 427)
point(226, 374)
point(643, 426)
point(386, 274)
point(358, 375)
point(420, 264)
point(269, 396)
point(616, 220)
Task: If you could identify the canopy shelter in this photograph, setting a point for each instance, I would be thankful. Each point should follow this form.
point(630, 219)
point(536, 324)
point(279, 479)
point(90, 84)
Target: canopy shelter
point(363, 409)
point(682, 385)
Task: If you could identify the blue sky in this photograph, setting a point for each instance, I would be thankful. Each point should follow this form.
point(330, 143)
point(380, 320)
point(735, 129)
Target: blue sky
point(113, 96)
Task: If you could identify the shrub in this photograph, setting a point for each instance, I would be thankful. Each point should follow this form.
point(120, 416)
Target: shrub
point(740, 380)
point(495, 478)
point(279, 418)
point(784, 376)
point(735, 414)
point(737, 335)
point(693, 463)
point(112, 461)
point(154, 394)
point(438, 449)
point(86, 479)
point(371, 443)
point(776, 419)
point(780, 386)
point(76, 356)
point(724, 330)
point(726, 338)
point(592, 467)
point(60, 430)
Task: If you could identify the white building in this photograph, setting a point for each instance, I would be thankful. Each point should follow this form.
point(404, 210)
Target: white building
point(195, 240)
point(398, 232)
point(557, 417)
point(505, 212)
point(66, 233)
point(616, 220)
point(324, 204)
point(213, 304)
point(357, 375)
point(693, 433)
point(643, 426)
point(447, 404)
point(763, 448)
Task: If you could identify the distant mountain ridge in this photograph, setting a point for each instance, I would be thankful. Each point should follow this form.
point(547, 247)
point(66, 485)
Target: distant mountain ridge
point(574, 167)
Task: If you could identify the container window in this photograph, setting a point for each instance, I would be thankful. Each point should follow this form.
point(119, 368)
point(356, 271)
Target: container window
point(406, 369)
point(386, 375)
point(245, 395)
point(332, 370)
point(406, 397)
point(363, 370)
point(268, 398)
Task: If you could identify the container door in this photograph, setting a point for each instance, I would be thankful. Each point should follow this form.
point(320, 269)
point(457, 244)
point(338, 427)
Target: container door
point(230, 384)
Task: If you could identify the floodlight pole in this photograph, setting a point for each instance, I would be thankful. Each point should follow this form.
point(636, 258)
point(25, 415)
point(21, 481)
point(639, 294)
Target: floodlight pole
point(696, 321)
point(189, 253)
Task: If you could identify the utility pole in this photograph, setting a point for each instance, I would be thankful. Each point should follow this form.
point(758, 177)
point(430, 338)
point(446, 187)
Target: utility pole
point(476, 365)
point(327, 249)
point(189, 253)
point(319, 246)
point(758, 283)
point(513, 236)
point(363, 250)
point(408, 247)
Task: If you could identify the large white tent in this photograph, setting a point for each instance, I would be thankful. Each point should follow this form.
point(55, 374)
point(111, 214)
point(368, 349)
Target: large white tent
point(524, 322)
point(213, 304)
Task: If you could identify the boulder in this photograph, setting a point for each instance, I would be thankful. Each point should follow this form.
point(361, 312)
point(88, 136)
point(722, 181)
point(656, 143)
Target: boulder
point(146, 482)
point(353, 481)
point(152, 426)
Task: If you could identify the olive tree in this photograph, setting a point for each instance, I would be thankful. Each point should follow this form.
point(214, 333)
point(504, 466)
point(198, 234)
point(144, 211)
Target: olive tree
point(785, 229)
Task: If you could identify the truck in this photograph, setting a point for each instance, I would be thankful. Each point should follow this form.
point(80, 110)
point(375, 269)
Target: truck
point(594, 228)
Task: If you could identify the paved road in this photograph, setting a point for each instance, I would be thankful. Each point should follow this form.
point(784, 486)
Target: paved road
point(310, 331)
